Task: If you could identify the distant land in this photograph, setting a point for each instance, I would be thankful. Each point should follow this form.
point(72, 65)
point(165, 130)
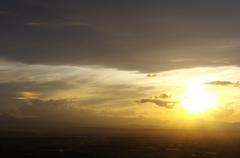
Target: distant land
point(8, 122)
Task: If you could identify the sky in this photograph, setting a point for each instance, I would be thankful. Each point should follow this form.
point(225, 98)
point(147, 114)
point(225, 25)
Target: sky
point(167, 60)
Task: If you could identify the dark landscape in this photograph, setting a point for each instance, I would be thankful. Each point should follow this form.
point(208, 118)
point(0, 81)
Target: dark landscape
point(126, 141)
point(109, 142)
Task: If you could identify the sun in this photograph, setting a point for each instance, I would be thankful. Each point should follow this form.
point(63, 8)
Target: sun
point(197, 99)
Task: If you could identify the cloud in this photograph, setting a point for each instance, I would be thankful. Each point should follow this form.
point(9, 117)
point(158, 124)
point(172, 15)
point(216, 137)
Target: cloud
point(54, 82)
point(51, 107)
point(163, 96)
point(220, 83)
point(161, 103)
point(17, 89)
point(147, 37)
point(221, 111)
point(153, 75)
point(12, 92)
point(37, 106)
point(223, 83)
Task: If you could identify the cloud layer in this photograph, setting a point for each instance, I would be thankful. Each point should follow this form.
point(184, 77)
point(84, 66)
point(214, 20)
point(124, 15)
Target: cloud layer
point(148, 36)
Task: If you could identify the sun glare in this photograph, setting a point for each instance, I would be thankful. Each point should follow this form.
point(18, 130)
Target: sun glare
point(197, 99)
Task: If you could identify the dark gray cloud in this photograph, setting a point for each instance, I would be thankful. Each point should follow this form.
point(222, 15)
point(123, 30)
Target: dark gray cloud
point(161, 103)
point(221, 111)
point(220, 83)
point(148, 36)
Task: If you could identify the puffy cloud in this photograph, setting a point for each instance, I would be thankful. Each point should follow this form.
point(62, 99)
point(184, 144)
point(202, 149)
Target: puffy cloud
point(161, 103)
point(221, 111)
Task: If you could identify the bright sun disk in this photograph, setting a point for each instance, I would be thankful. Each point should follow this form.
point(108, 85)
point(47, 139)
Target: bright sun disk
point(197, 100)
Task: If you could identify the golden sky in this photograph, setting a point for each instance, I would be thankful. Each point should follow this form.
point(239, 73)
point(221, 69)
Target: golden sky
point(131, 59)
point(211, 93)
